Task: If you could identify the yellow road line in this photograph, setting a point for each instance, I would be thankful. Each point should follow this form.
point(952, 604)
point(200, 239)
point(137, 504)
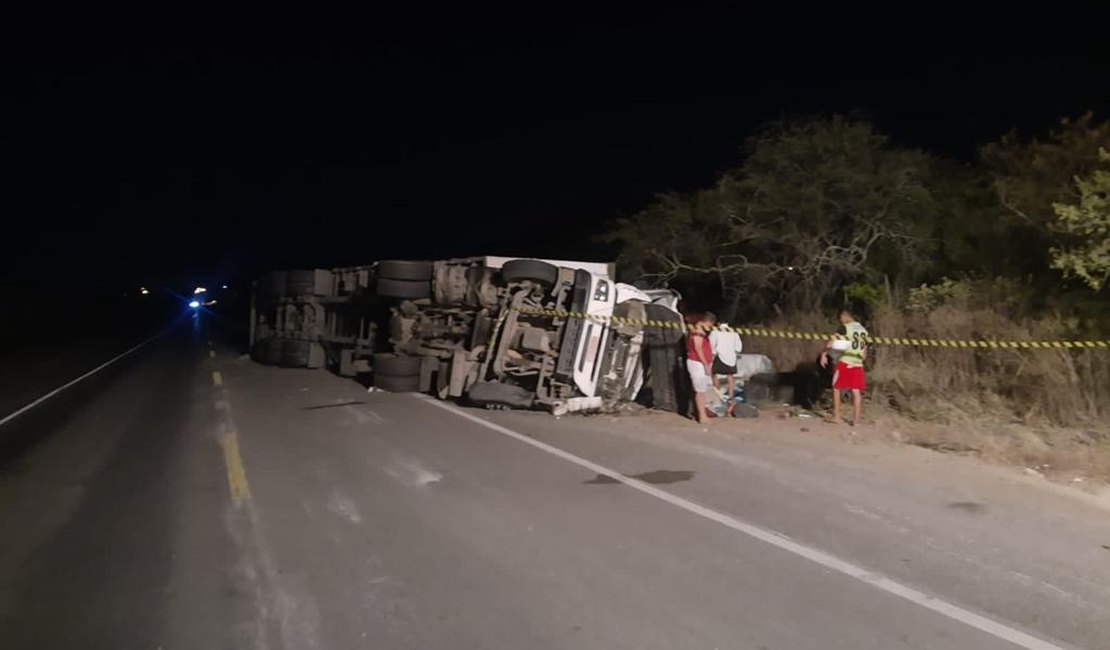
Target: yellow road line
point(211, 354)
point(236, 473)
point(217, 378)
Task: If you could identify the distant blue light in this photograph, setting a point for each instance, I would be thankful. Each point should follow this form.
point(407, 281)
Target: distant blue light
point(194, 304)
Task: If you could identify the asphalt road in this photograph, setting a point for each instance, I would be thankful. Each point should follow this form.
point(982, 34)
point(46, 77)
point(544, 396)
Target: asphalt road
point(189, 498)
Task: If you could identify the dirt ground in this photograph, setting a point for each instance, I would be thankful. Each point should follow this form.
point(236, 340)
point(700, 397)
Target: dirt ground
point(1077, 456)
point(1074, 459)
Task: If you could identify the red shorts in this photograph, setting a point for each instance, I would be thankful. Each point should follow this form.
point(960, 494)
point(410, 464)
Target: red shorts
point(848, 377)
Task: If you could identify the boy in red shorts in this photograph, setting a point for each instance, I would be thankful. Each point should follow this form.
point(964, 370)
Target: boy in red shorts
point(851, 341)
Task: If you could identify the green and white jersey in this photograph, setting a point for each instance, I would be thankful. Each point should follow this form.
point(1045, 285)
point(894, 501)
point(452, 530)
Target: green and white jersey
point(857, 335)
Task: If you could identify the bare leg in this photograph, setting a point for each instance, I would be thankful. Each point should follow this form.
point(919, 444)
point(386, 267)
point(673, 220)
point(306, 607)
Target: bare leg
point(731, 392)
point(699, 408)
point(836, 405)
point(857, 405)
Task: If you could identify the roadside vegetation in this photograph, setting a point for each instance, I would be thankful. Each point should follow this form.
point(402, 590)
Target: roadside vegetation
point(825, 212)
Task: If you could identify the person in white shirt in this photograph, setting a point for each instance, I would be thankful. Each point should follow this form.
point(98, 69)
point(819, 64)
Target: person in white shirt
point(726, 346)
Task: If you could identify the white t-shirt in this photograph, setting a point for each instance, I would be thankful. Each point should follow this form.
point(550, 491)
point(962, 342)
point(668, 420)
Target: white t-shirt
point(726, 345)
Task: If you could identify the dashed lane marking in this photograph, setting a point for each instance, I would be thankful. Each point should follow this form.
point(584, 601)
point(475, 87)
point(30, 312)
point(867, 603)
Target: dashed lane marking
point(944, 608)
point(217, 378)
point(236, 473)
point(211, 354)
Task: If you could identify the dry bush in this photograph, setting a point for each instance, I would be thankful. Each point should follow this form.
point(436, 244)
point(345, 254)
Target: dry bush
point(1038, 388)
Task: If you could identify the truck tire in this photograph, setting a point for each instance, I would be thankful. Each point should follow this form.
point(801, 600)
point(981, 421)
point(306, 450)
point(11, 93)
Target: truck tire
point(666, 370)
point(662, 380)
point(410, 384)
point(410, 289)
point(300, 283)
point(405, 270)
point(272, 284)
point(534, 270)
point(396, 365)
point(295, 353)
point(267, 351)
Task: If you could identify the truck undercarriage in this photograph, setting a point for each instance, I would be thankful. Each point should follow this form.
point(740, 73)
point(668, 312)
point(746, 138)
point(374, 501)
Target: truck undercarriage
point(507, 332)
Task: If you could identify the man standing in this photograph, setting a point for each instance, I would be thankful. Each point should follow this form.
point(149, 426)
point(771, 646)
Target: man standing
point(699, 362)
point(851, 341)
point(726, 346)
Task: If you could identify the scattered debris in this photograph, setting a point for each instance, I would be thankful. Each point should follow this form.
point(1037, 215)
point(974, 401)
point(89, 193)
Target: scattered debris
point(1032, 472)
point(968, 506)
point(1099, 436)
point(804, 430)
point(744, 410)
point(951, 447)
point(602, 479)
point(662, 476)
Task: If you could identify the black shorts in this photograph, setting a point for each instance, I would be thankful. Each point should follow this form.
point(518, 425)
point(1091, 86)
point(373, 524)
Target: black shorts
point(719, 368)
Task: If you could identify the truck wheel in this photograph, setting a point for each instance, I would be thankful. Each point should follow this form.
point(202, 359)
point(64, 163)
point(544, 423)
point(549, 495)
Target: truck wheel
point(410, 289)
point(534, 270)
point(662, 372)
point(397, 384)
point(295, 353)
point(405, 270)
point(665, 368)
point(272, 285)
point(300, 283)
point(396, 365)
point(267, 351)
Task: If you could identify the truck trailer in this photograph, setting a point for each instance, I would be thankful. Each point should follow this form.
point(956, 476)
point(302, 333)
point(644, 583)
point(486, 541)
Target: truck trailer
point(493, 331)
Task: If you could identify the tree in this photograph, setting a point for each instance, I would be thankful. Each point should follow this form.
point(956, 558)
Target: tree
point(1028, 178)
point(1088, 221)
point(816, 204)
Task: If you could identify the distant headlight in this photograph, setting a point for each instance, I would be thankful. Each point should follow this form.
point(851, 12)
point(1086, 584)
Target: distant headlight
point(194, 304)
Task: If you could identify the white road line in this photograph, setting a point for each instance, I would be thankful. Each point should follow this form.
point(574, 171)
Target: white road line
point(21, 411)
point(778, 540)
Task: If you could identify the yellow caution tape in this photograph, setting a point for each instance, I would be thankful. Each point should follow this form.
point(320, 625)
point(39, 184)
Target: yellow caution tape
point(813, 336)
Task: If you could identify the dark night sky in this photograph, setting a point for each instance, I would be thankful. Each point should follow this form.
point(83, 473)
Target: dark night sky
point(175, 156)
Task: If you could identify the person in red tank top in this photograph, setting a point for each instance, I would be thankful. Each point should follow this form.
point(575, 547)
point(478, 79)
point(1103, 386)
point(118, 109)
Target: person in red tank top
point(699, 362)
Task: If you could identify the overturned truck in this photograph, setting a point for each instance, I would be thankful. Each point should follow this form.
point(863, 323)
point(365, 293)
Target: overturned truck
point(518, 333)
